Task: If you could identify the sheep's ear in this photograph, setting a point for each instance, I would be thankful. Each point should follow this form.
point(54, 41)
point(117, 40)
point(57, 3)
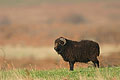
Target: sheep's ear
point(63, 39)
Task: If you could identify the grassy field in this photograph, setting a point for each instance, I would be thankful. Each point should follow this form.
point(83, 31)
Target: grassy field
point(28, 29)
point(108, 73)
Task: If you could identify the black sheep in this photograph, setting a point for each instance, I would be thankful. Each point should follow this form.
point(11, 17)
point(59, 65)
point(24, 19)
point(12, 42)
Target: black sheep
point(73, 51)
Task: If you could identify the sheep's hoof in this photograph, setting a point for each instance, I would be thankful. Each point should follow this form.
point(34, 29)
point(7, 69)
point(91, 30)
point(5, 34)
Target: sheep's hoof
point(71, 69)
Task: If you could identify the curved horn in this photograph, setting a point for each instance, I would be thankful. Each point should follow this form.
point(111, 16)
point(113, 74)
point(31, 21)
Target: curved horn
point(63, 39)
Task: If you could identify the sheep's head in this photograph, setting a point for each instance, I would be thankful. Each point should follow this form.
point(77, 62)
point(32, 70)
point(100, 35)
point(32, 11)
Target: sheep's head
point(59, 44)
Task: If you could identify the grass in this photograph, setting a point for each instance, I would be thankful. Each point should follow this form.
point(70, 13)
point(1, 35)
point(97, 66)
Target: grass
point(108, 73)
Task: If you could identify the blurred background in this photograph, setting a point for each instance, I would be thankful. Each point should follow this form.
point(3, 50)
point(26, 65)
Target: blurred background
point(28, 29)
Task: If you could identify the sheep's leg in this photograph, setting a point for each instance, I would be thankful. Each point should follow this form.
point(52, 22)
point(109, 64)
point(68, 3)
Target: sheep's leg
point(71, 66)
point(96, 62)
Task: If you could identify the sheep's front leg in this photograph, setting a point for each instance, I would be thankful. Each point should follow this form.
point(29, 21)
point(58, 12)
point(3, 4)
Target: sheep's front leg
point(71, 66)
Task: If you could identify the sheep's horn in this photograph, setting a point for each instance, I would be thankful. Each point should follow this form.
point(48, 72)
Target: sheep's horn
point(63, 39)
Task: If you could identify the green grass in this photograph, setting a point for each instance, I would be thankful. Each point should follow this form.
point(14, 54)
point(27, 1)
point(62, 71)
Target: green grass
point(108, 73)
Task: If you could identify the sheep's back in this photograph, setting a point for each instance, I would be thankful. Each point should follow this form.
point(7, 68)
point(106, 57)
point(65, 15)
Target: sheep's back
point(85, 49)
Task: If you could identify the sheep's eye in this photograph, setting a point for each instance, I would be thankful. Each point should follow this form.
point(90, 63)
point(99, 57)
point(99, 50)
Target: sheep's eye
point(62, 43)
point(59, 43)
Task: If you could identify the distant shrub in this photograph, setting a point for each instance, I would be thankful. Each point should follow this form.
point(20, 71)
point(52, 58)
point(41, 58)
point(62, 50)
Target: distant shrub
point(75, 19)
point(5, 21)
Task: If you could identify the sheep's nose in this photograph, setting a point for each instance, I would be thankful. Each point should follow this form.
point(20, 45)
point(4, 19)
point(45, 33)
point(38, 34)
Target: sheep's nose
point(57, 49)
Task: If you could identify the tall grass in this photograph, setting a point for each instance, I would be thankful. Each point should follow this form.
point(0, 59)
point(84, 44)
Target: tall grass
point(108, 73)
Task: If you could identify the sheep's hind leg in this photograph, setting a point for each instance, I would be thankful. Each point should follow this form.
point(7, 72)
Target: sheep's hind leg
point(71, 66)
point(96, 62)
